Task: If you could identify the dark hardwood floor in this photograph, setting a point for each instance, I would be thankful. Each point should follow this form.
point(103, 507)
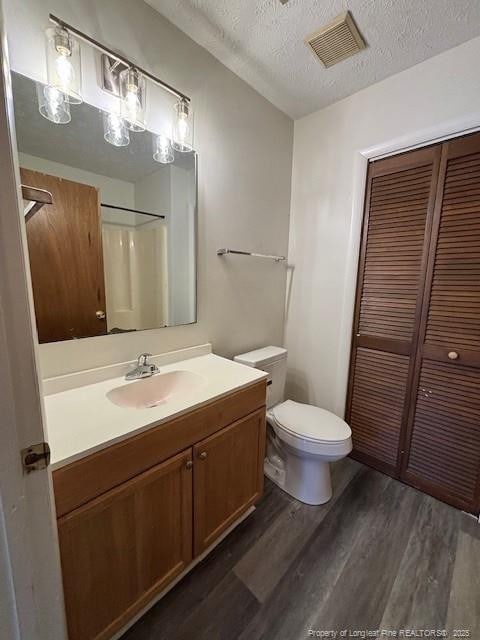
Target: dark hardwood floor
point(379, 555)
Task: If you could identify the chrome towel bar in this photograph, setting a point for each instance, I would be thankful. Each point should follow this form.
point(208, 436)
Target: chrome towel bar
point(222, 252)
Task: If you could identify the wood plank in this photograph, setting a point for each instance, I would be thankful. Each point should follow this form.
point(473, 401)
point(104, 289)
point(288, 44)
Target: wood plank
point(269, 559)
point(421, 590)
point(464, 601)
point(295, 603)
point(360, 594)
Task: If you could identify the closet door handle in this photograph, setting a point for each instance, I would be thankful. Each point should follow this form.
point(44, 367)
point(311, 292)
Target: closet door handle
point(453, 355)
point(202, 455)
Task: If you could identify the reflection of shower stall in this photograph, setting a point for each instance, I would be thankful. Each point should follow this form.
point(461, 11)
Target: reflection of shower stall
point(136, 269)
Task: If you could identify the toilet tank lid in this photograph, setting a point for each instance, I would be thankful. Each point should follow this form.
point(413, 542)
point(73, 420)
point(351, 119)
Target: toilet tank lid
point(261, 357)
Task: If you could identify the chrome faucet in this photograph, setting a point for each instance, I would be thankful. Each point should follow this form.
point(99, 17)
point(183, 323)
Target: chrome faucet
point(143, 369)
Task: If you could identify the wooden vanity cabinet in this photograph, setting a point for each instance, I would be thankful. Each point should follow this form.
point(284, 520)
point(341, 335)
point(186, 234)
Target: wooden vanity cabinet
point(122, 547)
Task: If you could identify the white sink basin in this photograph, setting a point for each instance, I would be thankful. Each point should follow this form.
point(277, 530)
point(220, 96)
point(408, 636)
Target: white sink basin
point(150, 392)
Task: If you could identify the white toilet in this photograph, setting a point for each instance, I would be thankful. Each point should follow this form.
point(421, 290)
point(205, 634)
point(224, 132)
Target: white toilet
point(301, 439)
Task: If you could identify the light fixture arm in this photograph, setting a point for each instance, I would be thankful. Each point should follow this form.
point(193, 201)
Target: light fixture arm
point(97, 45)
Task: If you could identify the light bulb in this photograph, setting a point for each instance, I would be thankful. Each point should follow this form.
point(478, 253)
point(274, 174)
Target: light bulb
point(52, 104)
point(162, 149)
point(65, 72)
point(114, 130)
point(132, 91)
point(183, 127)
point(132, 106)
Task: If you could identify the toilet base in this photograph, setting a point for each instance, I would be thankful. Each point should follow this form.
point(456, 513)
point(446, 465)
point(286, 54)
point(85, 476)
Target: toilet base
point(305, 478)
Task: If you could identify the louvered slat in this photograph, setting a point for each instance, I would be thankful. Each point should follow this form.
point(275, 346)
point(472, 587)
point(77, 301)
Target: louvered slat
point(377, 403)
point(456, 281)
point(445, 444)
point(394, 248)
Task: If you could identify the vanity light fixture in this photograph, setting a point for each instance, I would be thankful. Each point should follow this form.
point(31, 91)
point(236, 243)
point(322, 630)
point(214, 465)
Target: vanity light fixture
point(132, 92)
point(162, 149)
point(120, 77)
point(52, 104)
point(115, 130)
point(183, 126)
point(64, 71)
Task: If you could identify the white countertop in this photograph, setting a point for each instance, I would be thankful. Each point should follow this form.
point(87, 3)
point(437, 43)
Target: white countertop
point(83, 420)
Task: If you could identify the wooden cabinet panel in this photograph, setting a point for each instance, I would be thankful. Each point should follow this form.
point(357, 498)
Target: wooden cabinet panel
point(67, 277)
point(122, 548)
point(228, 477)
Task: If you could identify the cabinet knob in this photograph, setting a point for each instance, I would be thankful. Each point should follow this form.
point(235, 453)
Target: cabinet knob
point(100, 315)
point(203, 455)
point(189, 464)
point(453, 355)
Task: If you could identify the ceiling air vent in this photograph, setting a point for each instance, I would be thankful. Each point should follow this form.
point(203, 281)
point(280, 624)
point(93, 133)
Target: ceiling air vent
point(337, 40)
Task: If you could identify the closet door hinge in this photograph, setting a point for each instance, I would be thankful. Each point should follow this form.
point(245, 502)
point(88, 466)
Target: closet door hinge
point(36, 457)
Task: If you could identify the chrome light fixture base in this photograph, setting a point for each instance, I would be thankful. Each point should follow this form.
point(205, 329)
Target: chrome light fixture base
point(111, 69)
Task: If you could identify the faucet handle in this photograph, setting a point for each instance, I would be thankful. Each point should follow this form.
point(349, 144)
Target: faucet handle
point(142, 359)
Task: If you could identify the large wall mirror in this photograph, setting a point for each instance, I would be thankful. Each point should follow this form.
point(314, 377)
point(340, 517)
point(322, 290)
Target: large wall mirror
point(113, 248)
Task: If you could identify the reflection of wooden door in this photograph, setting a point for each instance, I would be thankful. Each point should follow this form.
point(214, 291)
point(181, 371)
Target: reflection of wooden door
point(228, 476)
point(66, 260)
point(125, 546)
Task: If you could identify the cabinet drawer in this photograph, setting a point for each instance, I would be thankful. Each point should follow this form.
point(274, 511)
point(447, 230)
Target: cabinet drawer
point(81, 481)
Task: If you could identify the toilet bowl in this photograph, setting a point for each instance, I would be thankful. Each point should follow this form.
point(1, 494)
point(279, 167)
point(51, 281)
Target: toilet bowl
point(302, 440)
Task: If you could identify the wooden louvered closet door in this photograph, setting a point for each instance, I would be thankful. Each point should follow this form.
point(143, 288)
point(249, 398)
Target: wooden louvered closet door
point(398, 213)
point(444, 420)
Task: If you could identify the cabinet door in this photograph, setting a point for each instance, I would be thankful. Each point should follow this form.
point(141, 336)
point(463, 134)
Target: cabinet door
point(120, 549)
point(228, 476)
point(444, 426)
point(398, 215)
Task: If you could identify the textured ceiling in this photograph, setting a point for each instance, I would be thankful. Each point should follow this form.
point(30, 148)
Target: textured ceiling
point(262, 41)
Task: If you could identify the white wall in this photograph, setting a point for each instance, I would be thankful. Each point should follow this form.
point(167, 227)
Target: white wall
point(112, 191)
point(152, 192)
point(324, 230)
point(244, 146)
point(181, 247)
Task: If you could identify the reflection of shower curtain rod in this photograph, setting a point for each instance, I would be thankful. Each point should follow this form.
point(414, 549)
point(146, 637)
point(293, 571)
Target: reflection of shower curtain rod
point(143, 213)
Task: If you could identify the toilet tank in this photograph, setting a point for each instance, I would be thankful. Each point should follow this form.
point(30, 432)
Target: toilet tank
point(273, 360)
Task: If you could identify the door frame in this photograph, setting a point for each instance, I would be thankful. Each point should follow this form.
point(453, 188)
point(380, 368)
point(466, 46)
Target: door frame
point(469, 123)
point(30, 581)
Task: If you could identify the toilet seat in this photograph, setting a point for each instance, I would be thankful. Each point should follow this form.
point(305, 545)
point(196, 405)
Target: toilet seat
point(311, 423)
